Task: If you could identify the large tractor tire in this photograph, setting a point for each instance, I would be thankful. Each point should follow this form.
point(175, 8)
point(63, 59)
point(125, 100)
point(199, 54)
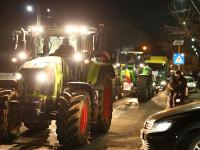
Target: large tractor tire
point(151, 90)
point(143, 88)
point(74, 118)
point(8, 130)
point(105, 108)
point(42, 125)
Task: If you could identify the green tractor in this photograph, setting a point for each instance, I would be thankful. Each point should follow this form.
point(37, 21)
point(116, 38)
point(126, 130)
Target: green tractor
point(133, 77)
point(160, 70)
point(74, 91)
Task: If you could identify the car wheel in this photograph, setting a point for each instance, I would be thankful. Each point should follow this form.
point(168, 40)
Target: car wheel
point(192, 142)
point(195, 142)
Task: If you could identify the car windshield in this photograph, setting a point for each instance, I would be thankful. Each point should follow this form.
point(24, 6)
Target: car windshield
point(190, 80)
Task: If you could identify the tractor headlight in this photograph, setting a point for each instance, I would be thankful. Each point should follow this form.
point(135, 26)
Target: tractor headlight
point(14, 60)
point(141, 65)
point(161, 126)
point(18, 76)
point(163, 83)
point(22, 55)
point(77, 57)
point(41, 77)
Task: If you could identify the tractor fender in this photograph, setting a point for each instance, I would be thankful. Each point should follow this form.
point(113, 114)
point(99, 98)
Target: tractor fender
point(98, 72)
point(106, 72)
point(9, 83)
point(80, 86)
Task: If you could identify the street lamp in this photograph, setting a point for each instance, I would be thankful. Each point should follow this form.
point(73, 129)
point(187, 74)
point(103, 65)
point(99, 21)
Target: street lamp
point(48, 10)
point(29, 8)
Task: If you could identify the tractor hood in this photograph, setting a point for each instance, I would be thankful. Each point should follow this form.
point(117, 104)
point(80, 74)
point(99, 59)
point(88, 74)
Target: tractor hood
point(8, 80)
point(42, 62)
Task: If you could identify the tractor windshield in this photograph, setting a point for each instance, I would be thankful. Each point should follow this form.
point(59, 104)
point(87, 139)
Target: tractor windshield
point(157, 67)
point(132, 58)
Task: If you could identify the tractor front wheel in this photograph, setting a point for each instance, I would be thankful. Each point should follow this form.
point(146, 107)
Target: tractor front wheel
point(8, 130)
point(74, 118)
point(143, 92)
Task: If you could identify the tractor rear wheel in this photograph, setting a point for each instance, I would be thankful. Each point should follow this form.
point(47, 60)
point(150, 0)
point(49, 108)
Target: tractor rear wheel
point(42, 125)
point(74, 118)
point(8, 130)
point(105, 108)
point(143, 88)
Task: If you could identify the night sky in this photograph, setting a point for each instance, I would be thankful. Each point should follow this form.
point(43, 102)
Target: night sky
point(144, 13)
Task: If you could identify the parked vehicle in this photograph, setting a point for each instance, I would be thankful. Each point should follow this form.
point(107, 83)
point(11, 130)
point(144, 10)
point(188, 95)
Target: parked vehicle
point(191, 84)
point(173, 129)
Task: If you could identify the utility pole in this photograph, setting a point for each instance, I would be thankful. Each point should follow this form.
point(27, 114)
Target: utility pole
point(179, 51)
point(38, 14)
point(178, 43)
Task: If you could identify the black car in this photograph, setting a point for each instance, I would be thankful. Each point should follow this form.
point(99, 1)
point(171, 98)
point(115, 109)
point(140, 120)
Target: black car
point(173, 129)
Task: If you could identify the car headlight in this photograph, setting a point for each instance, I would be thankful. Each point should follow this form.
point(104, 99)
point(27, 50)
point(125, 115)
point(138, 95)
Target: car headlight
point(42, 77)
point(161, 126)
point(194, 85)
point(163, 83)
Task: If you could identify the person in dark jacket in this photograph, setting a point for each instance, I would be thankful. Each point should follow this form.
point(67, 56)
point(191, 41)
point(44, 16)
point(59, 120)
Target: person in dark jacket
point(65, 50)
point(177, 84)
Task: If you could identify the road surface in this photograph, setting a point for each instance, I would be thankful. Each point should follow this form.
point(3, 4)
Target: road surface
point(124, 134)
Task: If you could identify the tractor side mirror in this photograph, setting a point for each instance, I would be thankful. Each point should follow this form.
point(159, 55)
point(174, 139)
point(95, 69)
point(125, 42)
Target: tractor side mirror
point(15, 39)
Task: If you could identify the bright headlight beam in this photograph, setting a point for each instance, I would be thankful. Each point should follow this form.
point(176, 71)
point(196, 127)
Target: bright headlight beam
point(163, 83)
point(41, 77)
point(22, 55)
point(78, 57)
point(14, 59)
point(18, 76)
point(141, 65)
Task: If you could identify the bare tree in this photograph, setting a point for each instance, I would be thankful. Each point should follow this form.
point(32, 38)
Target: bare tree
point(184, 25)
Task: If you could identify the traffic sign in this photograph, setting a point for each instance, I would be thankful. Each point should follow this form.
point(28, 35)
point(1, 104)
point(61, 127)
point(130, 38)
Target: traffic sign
point(179, 59)
point(178, 42)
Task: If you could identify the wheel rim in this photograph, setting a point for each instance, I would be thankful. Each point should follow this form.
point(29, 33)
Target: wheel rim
point(83, 119)
point(197, 146)
point(107, 103)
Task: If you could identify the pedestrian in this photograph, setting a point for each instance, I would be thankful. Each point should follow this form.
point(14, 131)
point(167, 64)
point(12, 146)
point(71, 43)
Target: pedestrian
point(177, 84)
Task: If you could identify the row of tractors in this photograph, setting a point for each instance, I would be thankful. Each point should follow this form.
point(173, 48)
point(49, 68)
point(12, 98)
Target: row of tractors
point(78, 92)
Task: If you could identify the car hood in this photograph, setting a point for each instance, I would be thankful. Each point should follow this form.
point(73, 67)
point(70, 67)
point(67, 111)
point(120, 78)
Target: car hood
point(174, 111)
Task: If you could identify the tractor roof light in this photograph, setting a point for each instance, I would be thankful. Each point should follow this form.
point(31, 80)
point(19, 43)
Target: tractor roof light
point(77, 57)
point(36, 30)
point(76, 30)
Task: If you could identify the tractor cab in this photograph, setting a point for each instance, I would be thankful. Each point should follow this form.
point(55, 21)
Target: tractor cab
point(39, 41)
